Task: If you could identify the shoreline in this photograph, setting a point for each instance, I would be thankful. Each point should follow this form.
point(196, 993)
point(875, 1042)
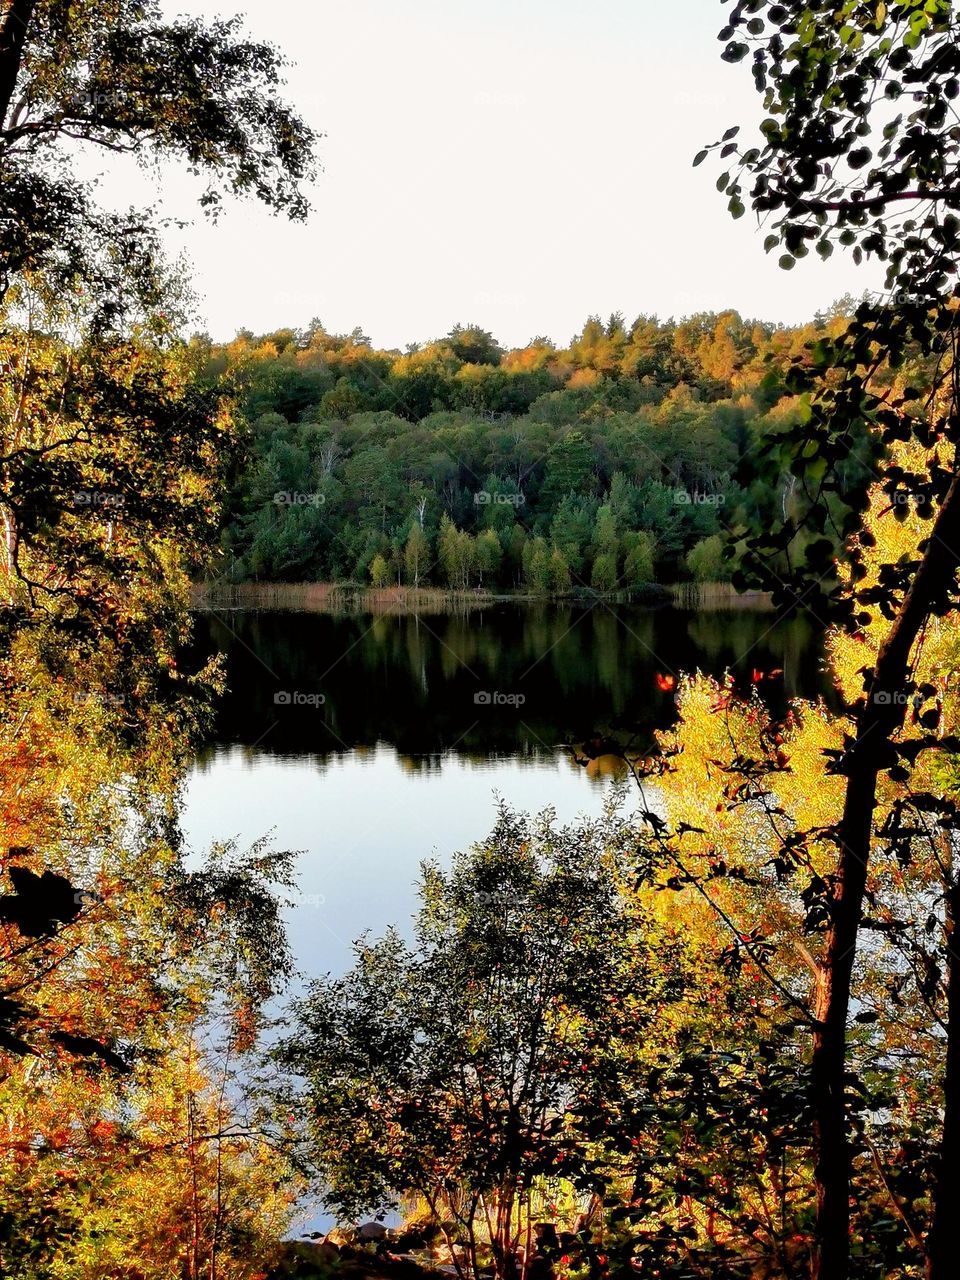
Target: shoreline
point(340, 597)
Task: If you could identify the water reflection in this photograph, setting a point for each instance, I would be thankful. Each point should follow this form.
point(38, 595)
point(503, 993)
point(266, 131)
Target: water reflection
point(399, 762)
point(508, 681)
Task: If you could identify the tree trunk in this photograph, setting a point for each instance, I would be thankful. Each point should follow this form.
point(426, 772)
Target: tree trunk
point(9, 542)
point(13, 35)
point(881, 716)
point(831, 1148)
point(941, 1242)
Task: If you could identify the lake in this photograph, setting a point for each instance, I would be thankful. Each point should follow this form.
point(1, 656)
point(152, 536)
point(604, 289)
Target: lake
point(368, 743)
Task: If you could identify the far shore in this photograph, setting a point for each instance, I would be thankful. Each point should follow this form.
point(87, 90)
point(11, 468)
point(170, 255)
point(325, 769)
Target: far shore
point(343, 597)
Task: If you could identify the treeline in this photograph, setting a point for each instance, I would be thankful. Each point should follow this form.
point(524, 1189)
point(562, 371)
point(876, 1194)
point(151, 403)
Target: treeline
point(628, 458)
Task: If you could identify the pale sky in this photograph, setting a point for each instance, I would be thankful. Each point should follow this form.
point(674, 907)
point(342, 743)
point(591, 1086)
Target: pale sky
point(517, 164)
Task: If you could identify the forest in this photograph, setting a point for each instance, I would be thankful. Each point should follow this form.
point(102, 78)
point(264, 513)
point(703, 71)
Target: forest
point(712, 1035)
point(626, 460)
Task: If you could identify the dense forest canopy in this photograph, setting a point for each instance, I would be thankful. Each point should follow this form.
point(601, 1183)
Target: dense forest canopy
point(625, 459)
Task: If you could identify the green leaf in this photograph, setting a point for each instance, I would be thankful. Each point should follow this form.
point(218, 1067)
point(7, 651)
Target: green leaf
point(735, 52)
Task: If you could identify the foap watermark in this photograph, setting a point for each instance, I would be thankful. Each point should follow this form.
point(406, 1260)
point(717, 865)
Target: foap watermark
point(96, 498)
point(900, 298)
point(684, 498)
point(484, 499)
point(293, 498)
point(908, 498)
point(95, 697)
point(97, 98)
point(897, 698)
point(313, 900)
point(87, 898)
point(297, 698)
point(499, 98)
point(497, 699)
point(501, 898)
point(497, 298)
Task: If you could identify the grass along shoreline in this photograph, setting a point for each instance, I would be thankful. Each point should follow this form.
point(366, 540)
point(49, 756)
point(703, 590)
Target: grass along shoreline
point(345, 597)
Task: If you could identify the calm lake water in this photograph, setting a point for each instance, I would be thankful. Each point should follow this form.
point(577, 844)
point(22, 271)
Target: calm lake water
point(371, 743)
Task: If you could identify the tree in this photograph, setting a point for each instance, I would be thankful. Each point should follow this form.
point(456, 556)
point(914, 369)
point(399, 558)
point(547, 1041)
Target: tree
point(605, 530)
point(572, 528)
point(89, 487)
point(416, 555)
point(559, 572)
point(473, 345)
point(456, 552)
point(836, 165)
point(706, 560)
point(458, 1069)
point(606, 543)
point(746, 819)
point(123, 78)
point(379, 572)
point(569, 467)
point(603, 576)
point(113, 954)
point(90, 435)
point(340, 401)
point(600, 347)
point(176, 1181)
point(115, 958)
point(487, 555)
point(638, 561)
point(622, 499)
point(536, 565)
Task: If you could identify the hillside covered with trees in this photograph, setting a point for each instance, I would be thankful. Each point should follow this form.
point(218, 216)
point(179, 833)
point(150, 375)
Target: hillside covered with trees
point(623, 460)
